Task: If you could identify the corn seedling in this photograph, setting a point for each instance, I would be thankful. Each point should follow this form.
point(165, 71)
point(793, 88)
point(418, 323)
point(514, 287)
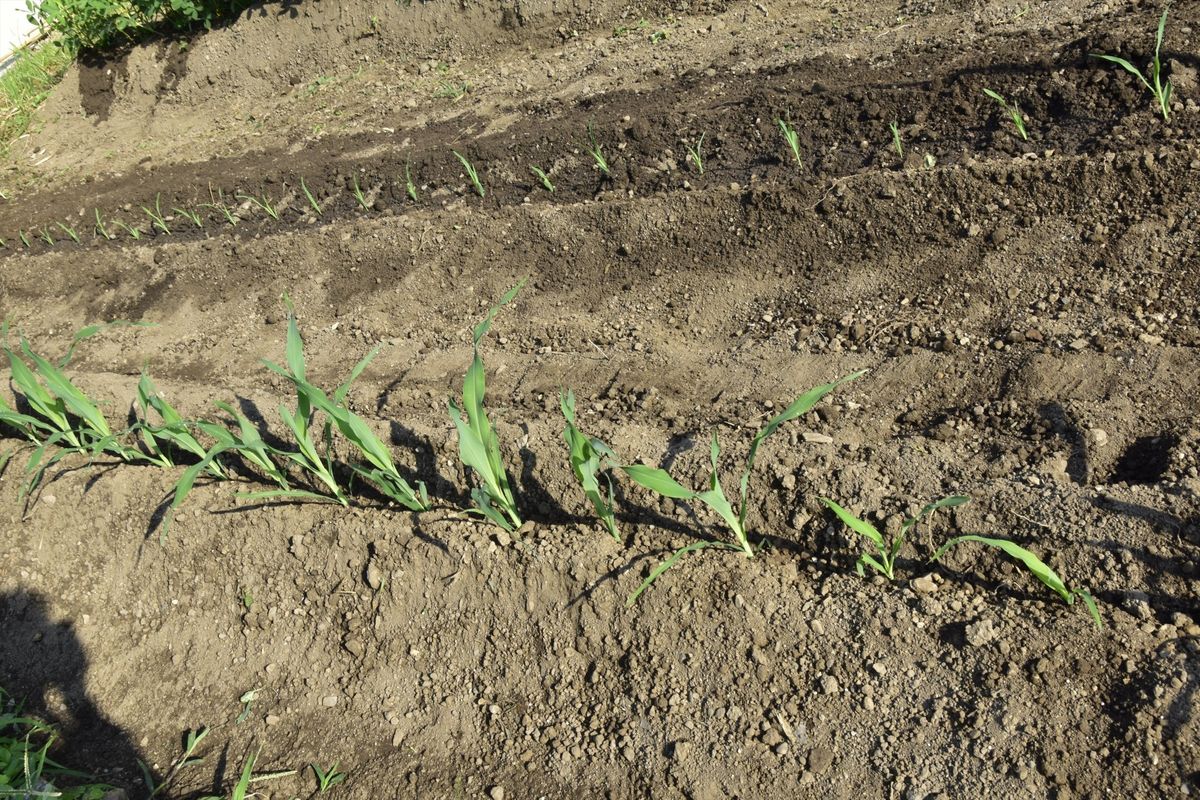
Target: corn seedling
point(241, 789)
point(660, 481)
point(792, 138)
point(190, 215)
point(596, 152)
point(884, 561)
point(1158, 87)
point(171, 433)
point(45, 236)
point(3, 244)
point(69, 231)
point(156, 216)
point(217, 203)
point(264, 203)
point(1036, 567)
point(543, 177)
point(894, 127)
point(101, 228)
point(327, 778)
point(409, 185)
point(587, 456)
point(359, 196)
point(24, 239)
point(1013, 110)
point(478, 445)
point(696, 155)
point(312, 201)
point(379, 468)
point(133, 230)
point(470, 173)
point(453, 92)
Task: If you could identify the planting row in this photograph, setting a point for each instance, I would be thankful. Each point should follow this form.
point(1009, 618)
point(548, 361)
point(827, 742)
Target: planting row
point(59, 419)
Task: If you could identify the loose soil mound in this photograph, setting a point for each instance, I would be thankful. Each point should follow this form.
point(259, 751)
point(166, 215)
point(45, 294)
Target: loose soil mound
point(1027, 311)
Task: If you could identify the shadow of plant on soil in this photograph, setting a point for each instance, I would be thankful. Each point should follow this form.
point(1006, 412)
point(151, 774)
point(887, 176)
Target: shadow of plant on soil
point(43, 667)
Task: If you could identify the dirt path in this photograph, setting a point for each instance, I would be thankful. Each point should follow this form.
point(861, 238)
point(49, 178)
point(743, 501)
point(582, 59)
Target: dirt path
point(1026, 311)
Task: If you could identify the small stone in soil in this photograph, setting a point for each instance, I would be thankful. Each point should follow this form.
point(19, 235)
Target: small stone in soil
point(819, 759)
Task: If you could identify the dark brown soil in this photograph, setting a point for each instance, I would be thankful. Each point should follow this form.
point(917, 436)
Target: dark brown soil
point(1026, 311)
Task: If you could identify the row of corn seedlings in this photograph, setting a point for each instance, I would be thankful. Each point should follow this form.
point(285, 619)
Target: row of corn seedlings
point(59, 419)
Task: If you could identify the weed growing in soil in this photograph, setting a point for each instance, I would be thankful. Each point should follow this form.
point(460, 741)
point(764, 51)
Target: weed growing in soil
point(894, 127)
point(471, 173)
point(597, 153)
point(409, 185)
point(358, 193)
point(543, 177)
point(100, 227)
point(327, 778)
point(26, 771)
point(478, 445)
point(1036, 567)
point(191, 215)
point(793, 140)
point(264, 203)
point(312, 201)
point(1159, 88)
point(156, 216)
point(696, 154)
point(886, 561)
point(586, 458)
point(660, 481)
point(241, 789)
point(1013, 110)
point(187, 759)
point(69, 231)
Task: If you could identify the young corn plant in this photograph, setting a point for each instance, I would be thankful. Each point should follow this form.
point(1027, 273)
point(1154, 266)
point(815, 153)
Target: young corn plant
point(1038, 568)
point(171, 434)
point(263, 203)
point(543, 177)
point(792, 138)
point(23, 237)
point(46, 237)
point(133, 230)
point(217, 203)
point(190, 215)
point(884, 560)
point(478, 445)
point(409, 185)
point(660, 481)
point(69, 231)
point(587, 462)
point(1013, 110)
point(1160, 89)
point(597, 153)
point(894, 127)
point(327, 778)
point(156, 216)
point(101, 229)
point(471, 173)
point(359, 196)
point(312, 201)
point(696, 154)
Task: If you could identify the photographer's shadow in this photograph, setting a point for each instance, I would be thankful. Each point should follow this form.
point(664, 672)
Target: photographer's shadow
point(43, 670)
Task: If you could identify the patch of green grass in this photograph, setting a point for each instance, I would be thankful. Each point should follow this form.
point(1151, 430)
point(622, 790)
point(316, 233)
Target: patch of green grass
point(478, 445)
point(26, 769)
point(25, 85)
point(1035, 566)
point(660, 481)
point(884, 560)
point(1160, 89)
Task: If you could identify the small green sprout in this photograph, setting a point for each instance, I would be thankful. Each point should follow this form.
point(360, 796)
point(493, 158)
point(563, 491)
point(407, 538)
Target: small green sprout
point(1159, 88)
point(478, 445)
point(312, 201)
point(241, 789)
point(358, 194)
point(886, 561)
point(327, 778)
point(23, 237)
point(792, 138)
point(543, 177)
point(452, 91)
point(156, 216)
point(1036, 567)
point(187, 759)
point(696, 155)
point(133, 230)
point(190, 215)
point(894, 127)
point(409, 185)
point(586, 460)
point(471, 173)
point(101, 228)
point(247, 700)
point(596, 152)
point(1013, 110)
point(263, 203)
point(660, 481)
point(69, 231)
point(46, 237)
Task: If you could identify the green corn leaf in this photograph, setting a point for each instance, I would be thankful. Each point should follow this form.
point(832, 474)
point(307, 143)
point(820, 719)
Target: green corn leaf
point(51, 408)
point(585, 455)
point(672, 561)
point(859, 526)
point(1130, 68)
point(658, 481)
point(1034, 564)
point(946, 502)
point(869, 560)
point(483, 327)
point(61, 386)
point(1090, 602)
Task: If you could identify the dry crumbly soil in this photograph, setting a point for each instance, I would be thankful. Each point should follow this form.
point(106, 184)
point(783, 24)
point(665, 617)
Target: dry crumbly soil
point(1026, 310)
